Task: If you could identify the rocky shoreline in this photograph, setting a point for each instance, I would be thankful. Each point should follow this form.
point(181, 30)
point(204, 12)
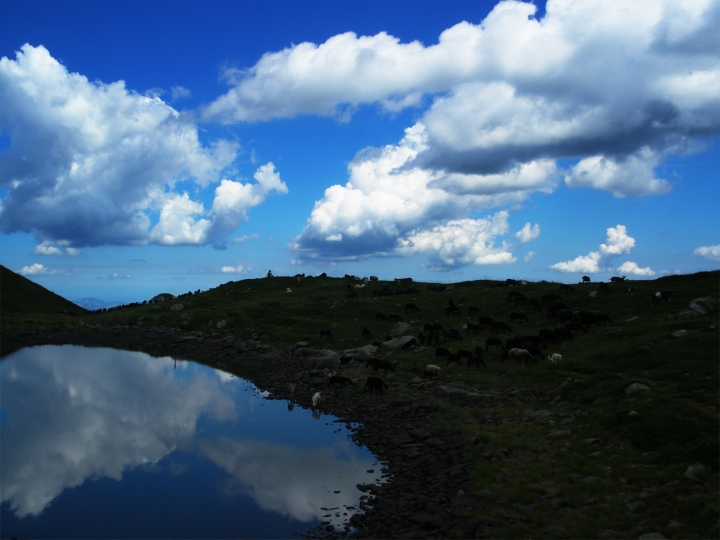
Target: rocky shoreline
point(429, 490)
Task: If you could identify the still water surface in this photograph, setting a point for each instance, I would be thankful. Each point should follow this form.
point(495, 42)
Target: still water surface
point(103, 443)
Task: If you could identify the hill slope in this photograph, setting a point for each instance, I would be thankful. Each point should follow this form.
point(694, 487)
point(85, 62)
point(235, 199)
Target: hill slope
point(20, 295)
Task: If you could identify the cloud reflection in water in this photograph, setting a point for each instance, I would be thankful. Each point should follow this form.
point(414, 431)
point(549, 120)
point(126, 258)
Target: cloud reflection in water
point(73, 414)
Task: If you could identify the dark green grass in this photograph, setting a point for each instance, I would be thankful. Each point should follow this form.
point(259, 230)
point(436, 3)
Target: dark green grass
point(676, 424)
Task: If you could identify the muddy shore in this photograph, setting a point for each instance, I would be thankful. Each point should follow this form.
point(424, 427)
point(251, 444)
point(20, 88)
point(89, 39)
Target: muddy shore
point(428, 493)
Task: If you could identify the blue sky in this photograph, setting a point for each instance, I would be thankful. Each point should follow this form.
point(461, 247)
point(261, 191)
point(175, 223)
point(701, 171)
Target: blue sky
point(162, 146)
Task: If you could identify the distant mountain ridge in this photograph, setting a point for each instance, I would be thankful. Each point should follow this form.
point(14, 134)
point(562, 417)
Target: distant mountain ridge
point(96, 303)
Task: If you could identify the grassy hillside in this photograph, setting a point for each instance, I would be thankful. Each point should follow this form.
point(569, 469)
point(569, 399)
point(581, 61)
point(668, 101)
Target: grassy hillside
point(19, 295)
point(581, 456)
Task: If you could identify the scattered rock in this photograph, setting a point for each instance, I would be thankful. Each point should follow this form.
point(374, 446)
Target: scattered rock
point(633, 506)
point(631, 319)
point(699, 306)
point(397, 343)
point(399, 329)
point(609, 533)
point(559, 432)
point(176, 307)
point(651, 536)
point(221, 324)
point(325, 359)
point(466, 396)
point(679, 333)
point(632, 413)
point(593, 294)
point(693, 471)
point(634, 388)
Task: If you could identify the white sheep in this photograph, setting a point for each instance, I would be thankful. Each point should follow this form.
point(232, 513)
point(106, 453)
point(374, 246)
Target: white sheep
point(316, 399)
point(432, 371)
point(555, 358)
point(289, 289)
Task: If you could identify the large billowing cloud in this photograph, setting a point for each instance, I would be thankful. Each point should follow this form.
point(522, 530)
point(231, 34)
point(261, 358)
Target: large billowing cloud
point(619, 83)
point(92, 163)
point(617, 242)
point(391, 207)
point(613, 86)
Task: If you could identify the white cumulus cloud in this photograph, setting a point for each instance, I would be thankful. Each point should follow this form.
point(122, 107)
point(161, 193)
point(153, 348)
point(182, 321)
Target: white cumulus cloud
point(389, 201)
point(528, 233)
point(709, 252)
point(462, 242)
point(115, 275)
point(632, 268)
point(617, 242)
point(92, 163)
point(38, 269)
point(239, 269)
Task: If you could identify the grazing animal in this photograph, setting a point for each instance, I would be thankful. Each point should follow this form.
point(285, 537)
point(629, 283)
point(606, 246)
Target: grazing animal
point(326, 332)
point(289, 289)
point(452, 310)
point(380, 316)
point(375, 384)
point(603, 288)
point(586, 279)
point(373, 278)
point(533, 304)
point(660, 297)
point(518, 317)
point(485, 321)
point(338, 379)
point(616, 279)
point(411, 307)
point(291, 386)
point(395, 317)
point(441, 352)
point(520, 356)
point(550, 298)
point(316, 399)
point(365, 333)
point(472, 326)
point(431, 371)
point(452, 334)
point(463, 353)
point(516, 296)
point(410, 344)
point(555, 358)
point(472, 310)
point(360, 286)
point(421, 338)
point(378, 364)
point(601, 317)
point(546, 335)
point(493, 342)
point(566, 288)
point(499, 327)
point(453, 358)
point(476, 360)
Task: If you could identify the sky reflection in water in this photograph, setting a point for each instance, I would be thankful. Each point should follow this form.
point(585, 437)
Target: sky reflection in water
point(105, 443)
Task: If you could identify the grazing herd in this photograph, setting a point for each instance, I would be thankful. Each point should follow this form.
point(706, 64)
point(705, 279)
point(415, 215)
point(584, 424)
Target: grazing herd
point(514, 348)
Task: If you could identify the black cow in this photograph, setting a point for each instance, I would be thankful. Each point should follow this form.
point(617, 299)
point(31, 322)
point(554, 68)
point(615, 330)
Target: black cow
point(375, 384)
